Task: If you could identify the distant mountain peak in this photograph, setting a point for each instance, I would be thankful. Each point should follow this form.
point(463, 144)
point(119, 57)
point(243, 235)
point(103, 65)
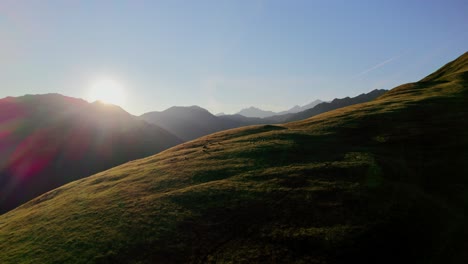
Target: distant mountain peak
point(255, 112)
point(187, 110)
point(298, 108)
point(254, 108)
point(187, 122)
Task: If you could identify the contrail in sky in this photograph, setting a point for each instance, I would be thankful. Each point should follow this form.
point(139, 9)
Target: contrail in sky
point(378, 66)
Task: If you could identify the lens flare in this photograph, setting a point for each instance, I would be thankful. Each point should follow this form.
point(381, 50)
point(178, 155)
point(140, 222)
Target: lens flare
point(107, 91)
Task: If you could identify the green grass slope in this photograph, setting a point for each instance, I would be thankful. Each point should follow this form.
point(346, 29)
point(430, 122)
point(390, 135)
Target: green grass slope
point(380, 182)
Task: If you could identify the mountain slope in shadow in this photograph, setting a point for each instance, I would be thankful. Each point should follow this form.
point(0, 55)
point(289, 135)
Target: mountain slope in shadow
point(49, 140)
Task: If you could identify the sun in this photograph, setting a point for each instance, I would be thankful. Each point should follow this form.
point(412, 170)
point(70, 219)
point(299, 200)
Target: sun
point(107, 91)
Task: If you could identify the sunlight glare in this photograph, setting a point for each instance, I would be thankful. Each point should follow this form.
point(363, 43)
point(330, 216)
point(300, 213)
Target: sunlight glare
point(107, 91)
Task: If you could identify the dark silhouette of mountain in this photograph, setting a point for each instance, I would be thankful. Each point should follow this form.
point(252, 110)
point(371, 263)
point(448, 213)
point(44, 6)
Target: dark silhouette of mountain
point(255, 112)
point(49, 140)
point(379, 182)
point(190, 122)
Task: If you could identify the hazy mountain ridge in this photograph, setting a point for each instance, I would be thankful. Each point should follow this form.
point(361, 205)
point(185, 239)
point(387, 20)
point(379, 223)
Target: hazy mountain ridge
point(49, 140)
point(256, 112)
point(383, 181)
point(193, 121)
point(297, 108)
point(188, 123)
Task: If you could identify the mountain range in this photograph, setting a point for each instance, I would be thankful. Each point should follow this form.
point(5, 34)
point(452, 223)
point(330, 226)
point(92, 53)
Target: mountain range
point(383, 181)
point(192, 122)
point(255, 112)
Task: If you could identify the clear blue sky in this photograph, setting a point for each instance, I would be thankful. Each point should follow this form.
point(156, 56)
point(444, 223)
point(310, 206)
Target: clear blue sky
point(225, 55)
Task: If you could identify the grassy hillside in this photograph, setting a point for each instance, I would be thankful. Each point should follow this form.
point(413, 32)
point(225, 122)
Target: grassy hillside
point(380, 182)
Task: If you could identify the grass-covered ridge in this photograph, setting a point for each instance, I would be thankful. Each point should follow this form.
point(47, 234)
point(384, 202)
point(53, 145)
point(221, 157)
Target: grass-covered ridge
point(384, 182)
